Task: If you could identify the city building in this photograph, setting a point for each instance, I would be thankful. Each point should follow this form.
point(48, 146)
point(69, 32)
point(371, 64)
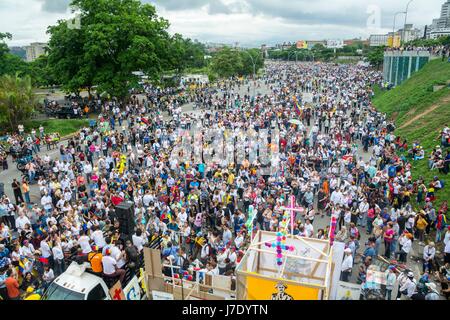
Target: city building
point(441, 26)
point(35, 50)
point(408, 33)
point(265, 50)
point(376, 40)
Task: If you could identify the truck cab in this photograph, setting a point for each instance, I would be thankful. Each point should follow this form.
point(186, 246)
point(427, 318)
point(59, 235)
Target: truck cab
point(77, 284)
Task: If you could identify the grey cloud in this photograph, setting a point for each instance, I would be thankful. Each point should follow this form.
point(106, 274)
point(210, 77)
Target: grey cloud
point(55, 6)
point(218, 7)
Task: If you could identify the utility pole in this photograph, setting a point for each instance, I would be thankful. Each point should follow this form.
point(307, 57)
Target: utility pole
point(406, 17)
point(393, 27)
point(254, 71)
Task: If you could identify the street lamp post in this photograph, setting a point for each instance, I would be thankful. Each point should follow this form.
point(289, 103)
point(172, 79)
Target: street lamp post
point(393, 27)
point(406, 17)
point(254, 71)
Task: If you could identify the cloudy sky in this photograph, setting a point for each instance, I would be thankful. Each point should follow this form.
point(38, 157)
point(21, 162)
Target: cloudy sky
point(248, 22)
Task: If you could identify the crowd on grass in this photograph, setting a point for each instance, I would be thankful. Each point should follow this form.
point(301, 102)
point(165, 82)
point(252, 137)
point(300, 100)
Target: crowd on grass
point(194, 178)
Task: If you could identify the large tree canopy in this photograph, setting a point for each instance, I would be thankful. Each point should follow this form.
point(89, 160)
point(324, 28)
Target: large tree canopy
point(229, 62)
point(17, 100)
point(116, 38)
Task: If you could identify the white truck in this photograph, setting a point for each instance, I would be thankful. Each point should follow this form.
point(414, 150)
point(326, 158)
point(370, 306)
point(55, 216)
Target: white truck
point(77, 284)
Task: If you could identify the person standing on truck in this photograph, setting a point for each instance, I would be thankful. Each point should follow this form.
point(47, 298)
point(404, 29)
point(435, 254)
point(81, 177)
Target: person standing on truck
point(95, 259)
point(110, 268)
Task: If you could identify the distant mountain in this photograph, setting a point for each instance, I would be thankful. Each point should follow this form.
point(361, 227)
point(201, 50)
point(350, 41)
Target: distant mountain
point(18, 51)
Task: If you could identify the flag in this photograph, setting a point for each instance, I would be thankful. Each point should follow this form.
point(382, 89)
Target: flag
point(22, 265)
point(297, 108)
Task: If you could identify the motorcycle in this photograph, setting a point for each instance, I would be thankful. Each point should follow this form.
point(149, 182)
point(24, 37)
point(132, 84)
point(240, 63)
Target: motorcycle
point(22, 162)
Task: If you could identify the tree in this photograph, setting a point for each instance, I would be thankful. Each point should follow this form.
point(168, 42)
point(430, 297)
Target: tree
point(376, 56)
point(227, 63)
point(247, 62)
point(17, 100)
point(116, 37)
point(9, 63)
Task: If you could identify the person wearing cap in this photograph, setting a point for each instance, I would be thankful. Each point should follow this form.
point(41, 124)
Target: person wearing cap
point(433, 293)
point(409, 288)
point(428, 257)
point(95, 259)
point(405, 242)
point(347, 265)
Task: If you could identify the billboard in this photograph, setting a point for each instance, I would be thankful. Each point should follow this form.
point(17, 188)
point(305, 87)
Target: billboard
point(394, 42)
point(302, 45)
point(335, 44)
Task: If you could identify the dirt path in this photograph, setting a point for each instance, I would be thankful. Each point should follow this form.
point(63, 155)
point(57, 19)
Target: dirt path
point(429, 110)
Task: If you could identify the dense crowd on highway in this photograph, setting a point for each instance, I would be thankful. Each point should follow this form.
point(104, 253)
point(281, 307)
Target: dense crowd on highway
point(193, 178)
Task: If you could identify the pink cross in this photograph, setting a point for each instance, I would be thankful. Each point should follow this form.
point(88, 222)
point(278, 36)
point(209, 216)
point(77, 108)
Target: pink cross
point(292, 210)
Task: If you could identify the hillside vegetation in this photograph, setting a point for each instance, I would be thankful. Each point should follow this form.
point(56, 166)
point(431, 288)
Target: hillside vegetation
point(420, 115)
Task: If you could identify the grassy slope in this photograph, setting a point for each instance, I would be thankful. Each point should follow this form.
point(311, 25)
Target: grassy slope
point(63, 126)
point(413, 98)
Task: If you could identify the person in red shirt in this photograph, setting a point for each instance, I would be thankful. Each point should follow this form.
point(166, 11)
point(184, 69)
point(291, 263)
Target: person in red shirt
point(12, 286)
point(116, 200)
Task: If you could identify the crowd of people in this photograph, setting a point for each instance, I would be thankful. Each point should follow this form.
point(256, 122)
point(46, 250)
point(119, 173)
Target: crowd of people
point(194, 177)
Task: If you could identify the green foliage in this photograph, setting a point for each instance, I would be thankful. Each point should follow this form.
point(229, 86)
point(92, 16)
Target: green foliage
point(376, 56)
point(229, 62)
point(185, 53)
point(17, 100)
point(63, 126)
point(116, 38)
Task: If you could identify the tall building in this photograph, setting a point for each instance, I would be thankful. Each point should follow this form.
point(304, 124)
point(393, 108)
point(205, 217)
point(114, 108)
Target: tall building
point(408, 33)
point(35, 50)
point(440, 26)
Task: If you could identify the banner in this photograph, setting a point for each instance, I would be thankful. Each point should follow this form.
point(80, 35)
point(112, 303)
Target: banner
point(262, 289)
point(133, 290)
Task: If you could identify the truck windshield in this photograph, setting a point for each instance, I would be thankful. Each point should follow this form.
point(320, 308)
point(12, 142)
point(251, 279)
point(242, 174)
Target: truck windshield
point(56, 292)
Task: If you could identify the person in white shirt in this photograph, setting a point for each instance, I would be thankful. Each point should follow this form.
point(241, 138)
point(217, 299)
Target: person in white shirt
point(138, 240)
point(46, 202)
point(48, 276)
point(239, 240)
point(347, 265)
point(227, 235)
point(27, 250)
point(45, 248)
point(428, 257)
point(409, 288)
point(97, 236)
point(58, 258)
point(21, 221)
point(110, 268)
point(406, 244)
point(309, 229)
point(83, 241)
